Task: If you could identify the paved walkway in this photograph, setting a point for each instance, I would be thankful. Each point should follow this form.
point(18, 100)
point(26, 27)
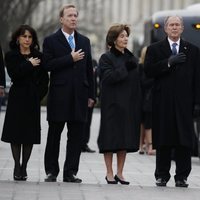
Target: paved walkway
point(138, 170)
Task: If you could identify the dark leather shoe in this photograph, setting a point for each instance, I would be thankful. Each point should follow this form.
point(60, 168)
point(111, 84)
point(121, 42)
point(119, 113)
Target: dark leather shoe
point(110, 182)
point(121, 181)
point(50, 178)
point(88, 150)
point(72, 179)
point(181, 183)
point(161, 182)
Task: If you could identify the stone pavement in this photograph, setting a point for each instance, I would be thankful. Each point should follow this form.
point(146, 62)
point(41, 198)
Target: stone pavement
point(138, 170)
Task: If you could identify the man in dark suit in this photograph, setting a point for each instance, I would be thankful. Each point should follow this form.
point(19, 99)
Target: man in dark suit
point(67, 56)
point(2, 78)
point(174, 65)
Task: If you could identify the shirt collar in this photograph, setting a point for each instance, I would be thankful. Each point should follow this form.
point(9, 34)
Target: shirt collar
point(66, 34)
point(171, 42)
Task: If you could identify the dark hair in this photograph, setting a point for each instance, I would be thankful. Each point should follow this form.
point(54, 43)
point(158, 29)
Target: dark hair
point(66, 7)
point(20, 31)
point(114, 32)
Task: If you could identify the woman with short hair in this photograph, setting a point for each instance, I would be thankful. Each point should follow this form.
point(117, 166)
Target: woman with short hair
point(120, 102)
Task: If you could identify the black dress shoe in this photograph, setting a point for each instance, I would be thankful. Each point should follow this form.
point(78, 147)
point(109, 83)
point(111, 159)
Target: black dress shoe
point(72, 179)
point(87, 149)
point(50, 178)
point(161, 182)
point(181, 183)
point(121, 181)
point(110, 182)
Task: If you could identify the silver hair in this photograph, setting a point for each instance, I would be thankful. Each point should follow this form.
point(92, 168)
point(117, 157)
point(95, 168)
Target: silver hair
point(167, 18)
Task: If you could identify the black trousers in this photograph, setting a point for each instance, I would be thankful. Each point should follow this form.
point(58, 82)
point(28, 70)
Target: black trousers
point(86, 130)
point(73, 148)
point(182, 158)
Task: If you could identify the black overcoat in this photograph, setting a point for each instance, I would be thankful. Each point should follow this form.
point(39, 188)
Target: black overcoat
point(120, 103)
point(29, 86)
point(71, 83)
point(176, 90)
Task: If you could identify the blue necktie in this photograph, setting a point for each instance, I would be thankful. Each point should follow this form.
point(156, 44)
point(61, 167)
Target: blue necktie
point(174, 50)
point(71, 42)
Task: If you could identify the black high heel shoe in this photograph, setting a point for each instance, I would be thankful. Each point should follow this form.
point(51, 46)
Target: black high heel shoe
point(17, 178)
point(110, 182)
point(23, 174)
point(24, 177)
point(121, 181)
point(17, 174)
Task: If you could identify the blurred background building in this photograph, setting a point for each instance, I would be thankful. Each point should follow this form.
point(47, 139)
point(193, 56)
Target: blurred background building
point(95, 17)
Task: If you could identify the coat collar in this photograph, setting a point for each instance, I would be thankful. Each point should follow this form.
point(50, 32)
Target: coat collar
point(118, 53)
point(16, 51)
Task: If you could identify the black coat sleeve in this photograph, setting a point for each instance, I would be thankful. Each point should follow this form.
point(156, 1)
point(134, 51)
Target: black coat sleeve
point(111, 72)
point(43, 81)
point(18, 68)
point(155, 64)
point(2, 70)
point(42, 78)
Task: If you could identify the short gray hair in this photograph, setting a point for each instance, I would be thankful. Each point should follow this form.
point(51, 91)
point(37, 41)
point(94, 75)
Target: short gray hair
point(167, 18)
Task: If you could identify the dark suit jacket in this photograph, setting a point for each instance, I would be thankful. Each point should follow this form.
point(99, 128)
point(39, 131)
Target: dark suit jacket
point(71, 83)
point(2, 70)
point(176, 90)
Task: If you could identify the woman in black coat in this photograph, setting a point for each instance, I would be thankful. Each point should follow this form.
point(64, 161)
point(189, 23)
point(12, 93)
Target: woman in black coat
point(120, 102)
point(29, 85)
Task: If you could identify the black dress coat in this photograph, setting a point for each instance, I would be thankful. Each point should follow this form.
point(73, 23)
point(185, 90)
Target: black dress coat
point(120, 103)
point(29, 86)
point(71, 83)
point(176, 90)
